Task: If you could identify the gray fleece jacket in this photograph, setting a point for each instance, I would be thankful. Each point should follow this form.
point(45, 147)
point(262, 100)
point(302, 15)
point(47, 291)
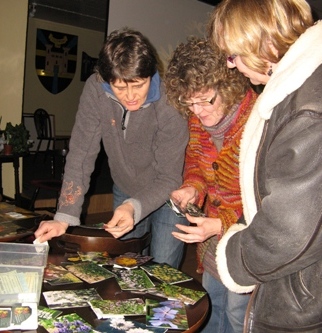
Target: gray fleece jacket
point(145, 159)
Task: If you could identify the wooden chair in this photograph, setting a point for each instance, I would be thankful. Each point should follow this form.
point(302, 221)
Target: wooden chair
point(73, 243)
point(46, 132)
point(53, 184)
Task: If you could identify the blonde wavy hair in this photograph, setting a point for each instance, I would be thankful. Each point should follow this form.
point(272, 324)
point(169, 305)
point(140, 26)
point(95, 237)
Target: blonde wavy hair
point(197, 67)
point(249, 27)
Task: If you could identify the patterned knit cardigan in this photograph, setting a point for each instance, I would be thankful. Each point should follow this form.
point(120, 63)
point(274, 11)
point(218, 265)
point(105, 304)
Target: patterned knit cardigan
point(215, 174)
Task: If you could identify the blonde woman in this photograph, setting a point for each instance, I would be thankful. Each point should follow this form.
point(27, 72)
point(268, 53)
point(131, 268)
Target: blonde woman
point(278, 252)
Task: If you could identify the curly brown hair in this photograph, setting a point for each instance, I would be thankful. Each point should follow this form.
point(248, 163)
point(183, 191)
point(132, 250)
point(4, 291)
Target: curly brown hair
point(198, 67)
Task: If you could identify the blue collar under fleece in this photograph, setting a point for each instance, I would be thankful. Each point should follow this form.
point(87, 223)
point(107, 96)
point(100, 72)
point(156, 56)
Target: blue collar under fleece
point(154, 90)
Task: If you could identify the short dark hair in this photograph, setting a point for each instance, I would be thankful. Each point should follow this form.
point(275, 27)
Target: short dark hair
point(126, 55)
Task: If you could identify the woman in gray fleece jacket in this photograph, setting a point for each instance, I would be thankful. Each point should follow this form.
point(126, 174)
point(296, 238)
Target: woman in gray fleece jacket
point(124, 105)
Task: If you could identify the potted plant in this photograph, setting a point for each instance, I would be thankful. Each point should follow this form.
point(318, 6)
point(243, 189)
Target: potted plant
point(18, 138)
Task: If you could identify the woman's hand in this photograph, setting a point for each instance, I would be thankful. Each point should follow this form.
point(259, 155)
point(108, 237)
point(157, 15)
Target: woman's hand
point(49, 229)
point(122, 221)
point(203, 228)
point(184, 195)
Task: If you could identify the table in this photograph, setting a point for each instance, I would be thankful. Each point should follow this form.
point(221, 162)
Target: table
point(109, 289)
point(17, 223)
point(14, 159)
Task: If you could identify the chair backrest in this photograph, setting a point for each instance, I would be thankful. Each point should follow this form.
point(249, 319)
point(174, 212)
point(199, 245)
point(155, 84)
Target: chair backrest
point(73, 243)
point(61, 155)
point(43, 124)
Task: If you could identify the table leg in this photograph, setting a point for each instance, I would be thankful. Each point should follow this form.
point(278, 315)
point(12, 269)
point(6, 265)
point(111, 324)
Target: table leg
point(17, 184)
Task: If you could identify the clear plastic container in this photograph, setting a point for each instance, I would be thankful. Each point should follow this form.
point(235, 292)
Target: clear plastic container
point(21, 272)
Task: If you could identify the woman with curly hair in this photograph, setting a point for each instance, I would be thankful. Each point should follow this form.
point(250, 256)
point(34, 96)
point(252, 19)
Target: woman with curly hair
point(217, 102)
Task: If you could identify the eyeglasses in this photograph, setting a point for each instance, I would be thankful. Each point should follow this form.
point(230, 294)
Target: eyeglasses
point(200, 103)
point(231, 58)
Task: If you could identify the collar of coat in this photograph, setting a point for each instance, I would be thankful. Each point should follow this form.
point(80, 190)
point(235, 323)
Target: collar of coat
point(301, 60)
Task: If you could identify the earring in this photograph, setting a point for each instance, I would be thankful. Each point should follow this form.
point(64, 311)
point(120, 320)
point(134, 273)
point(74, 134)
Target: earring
point(187, 113)
point(270, 71)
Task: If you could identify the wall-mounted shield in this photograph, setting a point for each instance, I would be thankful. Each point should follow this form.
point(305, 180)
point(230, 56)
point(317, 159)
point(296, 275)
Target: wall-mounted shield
point(56, 59)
